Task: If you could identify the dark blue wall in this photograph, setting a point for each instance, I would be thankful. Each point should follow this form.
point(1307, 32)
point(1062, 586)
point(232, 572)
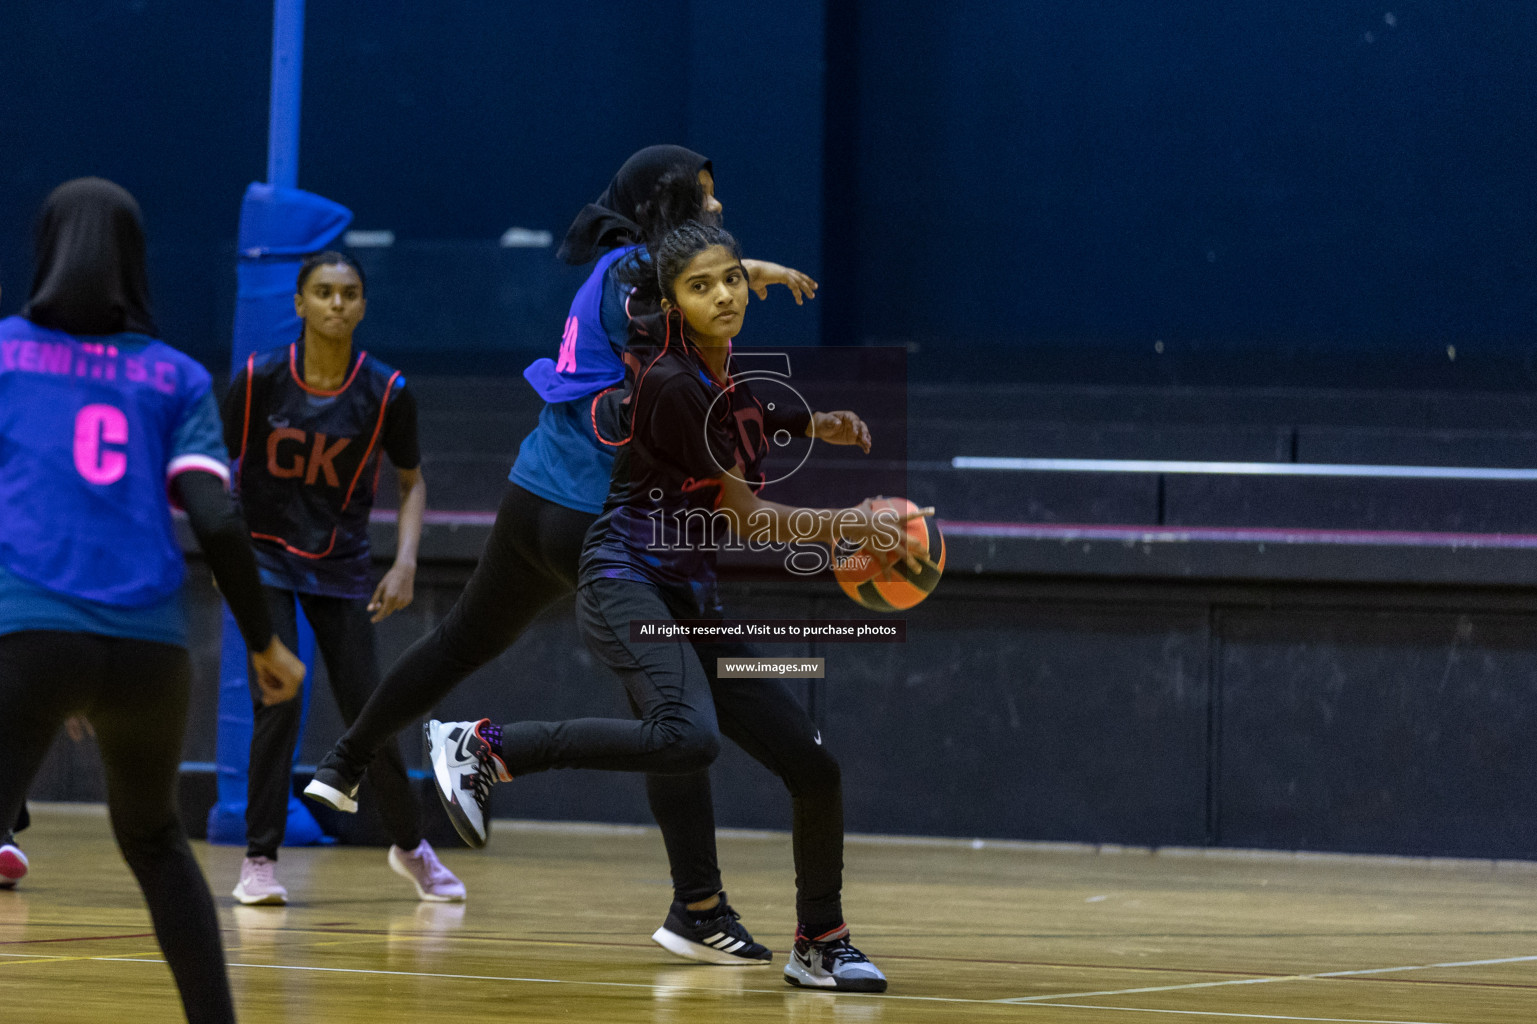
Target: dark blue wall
point(446, 126)
point(1249, 175)
point(1042, 190)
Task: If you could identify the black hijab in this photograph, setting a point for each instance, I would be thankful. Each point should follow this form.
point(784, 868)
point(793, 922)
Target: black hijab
point(90, 276)
point(612, 219)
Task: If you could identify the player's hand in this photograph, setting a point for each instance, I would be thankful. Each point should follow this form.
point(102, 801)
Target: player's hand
point(394, 592)
point(841, 427)
point(884, 533)
point(78, 727)
point(761, 274)
point(278, 672)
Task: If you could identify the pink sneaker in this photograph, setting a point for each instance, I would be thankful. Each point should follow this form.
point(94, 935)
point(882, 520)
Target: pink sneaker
point(432, 880)
point(13, 865)
point(259, 883)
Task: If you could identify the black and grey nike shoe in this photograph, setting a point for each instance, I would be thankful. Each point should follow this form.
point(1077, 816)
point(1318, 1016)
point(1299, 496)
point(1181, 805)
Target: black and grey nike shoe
point(830, 961)
point(333, 785)
point(714, 936)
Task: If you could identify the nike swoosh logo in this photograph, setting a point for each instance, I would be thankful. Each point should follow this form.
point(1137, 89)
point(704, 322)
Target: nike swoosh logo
point(462, 753)
point(817, 737)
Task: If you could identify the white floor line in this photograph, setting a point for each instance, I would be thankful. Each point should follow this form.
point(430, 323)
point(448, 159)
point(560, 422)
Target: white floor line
point(34, 957)
point(1029, 1002)
point(564, 981)
point(1267, 981)
point(1230, 1015)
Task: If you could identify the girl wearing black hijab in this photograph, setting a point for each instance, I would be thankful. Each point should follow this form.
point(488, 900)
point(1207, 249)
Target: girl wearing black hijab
point(555, 492)
point(102, 426)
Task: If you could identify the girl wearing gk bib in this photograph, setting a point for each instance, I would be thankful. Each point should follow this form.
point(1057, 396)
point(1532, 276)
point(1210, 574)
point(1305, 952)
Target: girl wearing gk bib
point(306, 425)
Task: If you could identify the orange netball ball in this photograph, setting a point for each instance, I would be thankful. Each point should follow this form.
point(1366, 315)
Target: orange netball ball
point(881, 580)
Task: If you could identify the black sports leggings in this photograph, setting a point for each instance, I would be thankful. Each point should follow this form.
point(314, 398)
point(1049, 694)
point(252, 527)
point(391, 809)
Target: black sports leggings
point(529, 562)
point(682, 707)
point(135, 694)
point(345, 637)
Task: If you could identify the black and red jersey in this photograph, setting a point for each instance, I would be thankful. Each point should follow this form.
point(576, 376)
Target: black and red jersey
point(307, 465)
point(682, 430)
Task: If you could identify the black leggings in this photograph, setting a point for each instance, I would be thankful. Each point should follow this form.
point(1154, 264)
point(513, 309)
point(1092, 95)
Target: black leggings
point(682, 708)
point(345, 637)
point(529, 562)
point(135, 695)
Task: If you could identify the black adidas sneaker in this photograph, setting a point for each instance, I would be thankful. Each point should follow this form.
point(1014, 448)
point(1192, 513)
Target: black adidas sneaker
point(714, 936)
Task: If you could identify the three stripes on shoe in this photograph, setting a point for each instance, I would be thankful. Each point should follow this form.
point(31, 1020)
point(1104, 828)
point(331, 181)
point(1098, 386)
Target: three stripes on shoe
point(723, 942)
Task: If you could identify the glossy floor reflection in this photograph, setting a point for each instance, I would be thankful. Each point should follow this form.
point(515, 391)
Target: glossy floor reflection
point(557, 926)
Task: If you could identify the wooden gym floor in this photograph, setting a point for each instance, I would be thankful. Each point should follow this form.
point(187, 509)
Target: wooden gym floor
point(558, 921)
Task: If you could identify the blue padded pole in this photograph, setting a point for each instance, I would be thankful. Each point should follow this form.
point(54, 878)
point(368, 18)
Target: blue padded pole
point(226, 819)
point(287, 83)
point(283, 116)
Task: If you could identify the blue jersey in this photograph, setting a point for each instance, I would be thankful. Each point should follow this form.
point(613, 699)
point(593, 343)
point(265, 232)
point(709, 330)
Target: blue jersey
point(561, 460)
point(92, 430)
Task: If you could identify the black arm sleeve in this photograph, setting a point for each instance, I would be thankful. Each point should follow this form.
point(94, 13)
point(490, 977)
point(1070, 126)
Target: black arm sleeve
point(794, 420)
point(221, 533)
point(400, 442)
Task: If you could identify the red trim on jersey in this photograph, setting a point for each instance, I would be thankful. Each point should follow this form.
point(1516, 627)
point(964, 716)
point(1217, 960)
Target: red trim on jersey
point(245, 431)
point(691, 485)
point(594, 415)
point(639, 379)
point(378, 426)
point(293, 550)
point(293, 369)
point(378, 468)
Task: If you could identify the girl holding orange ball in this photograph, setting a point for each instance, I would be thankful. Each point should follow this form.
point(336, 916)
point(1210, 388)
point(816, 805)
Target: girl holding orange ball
point(693, 441)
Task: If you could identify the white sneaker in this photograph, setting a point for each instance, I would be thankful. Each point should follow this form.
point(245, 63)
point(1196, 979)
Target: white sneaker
point(421, 867)
point(832, 963)
point(259, 885)
point(465, 769)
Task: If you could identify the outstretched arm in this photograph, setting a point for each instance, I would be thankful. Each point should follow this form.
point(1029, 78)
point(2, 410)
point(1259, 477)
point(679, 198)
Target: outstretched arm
point(761, 274)
point(752, 518)
point(842, 427)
